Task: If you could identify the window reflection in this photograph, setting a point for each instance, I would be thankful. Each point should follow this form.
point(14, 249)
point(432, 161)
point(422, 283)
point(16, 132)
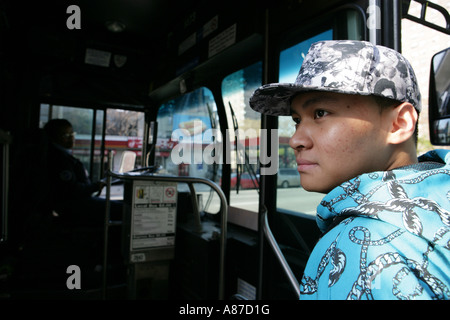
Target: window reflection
point(186, 144)
point(244, 135)
point(185, 126)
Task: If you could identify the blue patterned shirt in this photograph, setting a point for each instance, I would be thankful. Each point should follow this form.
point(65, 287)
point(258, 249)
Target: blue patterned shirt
point(393, 238)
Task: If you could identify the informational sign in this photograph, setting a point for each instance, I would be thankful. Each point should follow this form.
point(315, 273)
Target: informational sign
point(154, 214)
point(222, 41)
point(97, 57)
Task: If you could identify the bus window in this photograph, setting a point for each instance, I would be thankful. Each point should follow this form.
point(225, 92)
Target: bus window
point(81, 120)
point(124, 132)
point(185, 129)
point(290, 195)
point(244, 135)
point(189, 142)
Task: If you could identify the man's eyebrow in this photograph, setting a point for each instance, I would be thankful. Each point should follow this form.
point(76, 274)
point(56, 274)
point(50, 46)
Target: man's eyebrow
point(315, 100)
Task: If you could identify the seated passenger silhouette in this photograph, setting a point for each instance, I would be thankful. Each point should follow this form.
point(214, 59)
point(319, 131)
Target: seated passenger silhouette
point(72, 190)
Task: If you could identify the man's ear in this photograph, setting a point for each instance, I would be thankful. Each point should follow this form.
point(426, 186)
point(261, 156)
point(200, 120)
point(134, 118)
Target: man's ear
point(403, 123)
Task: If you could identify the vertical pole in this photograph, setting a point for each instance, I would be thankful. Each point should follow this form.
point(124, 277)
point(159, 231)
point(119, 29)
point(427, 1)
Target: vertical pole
point(374, 21)
point(263, 180)
point(106, 226)
point(5, 186)
point(102, 147)
point(91, 156)
point(397, 25)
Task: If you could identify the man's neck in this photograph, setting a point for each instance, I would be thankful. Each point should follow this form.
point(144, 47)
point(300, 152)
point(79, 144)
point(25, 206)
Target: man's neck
point(402, 158)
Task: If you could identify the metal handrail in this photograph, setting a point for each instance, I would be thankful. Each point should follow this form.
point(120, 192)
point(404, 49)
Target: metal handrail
point(190, 181)
point(5, 140)
point(274, 245)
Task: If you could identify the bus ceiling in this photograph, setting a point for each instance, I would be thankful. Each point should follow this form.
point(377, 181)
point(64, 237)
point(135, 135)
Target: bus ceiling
point(139, 33)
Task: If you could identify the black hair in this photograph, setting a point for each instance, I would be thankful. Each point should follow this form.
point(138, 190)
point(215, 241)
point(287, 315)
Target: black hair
point(54, 126)
point(385, 103)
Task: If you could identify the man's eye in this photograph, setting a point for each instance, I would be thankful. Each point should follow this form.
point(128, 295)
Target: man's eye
point(320, 113)
point(296, 120)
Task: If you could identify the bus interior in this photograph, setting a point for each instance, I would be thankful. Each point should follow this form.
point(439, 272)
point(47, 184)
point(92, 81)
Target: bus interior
point(200, 220)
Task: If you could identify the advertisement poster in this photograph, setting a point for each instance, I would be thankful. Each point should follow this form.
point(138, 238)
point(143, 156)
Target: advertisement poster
point(154, 214)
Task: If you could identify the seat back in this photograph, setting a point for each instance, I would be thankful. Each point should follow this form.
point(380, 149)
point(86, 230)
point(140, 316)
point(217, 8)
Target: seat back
point(127, 161)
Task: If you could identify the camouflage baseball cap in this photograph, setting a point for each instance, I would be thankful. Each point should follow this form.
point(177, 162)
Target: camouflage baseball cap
point(343, 66)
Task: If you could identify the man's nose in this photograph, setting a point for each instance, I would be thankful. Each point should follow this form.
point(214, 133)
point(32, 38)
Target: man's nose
point(300, 139)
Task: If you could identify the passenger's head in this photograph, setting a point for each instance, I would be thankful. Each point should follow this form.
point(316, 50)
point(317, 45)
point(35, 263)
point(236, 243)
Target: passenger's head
point(355, 107)
point(60, 131)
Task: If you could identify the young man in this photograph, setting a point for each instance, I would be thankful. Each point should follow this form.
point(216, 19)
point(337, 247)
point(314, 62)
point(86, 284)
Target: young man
point(385, 218)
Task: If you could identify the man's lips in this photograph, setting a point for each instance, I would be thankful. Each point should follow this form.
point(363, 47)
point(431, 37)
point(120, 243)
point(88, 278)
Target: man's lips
point(305, 165)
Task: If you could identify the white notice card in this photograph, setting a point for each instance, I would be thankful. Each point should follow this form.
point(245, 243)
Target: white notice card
point(154, 214)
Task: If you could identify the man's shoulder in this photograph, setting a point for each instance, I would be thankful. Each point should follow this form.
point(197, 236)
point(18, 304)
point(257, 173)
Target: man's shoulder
point(358, 229)
point(375, 254)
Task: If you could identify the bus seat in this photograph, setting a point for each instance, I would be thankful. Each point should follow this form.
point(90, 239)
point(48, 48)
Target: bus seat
point(127, 161)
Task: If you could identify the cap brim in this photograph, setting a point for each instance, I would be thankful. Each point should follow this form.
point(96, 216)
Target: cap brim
point(275, 99)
